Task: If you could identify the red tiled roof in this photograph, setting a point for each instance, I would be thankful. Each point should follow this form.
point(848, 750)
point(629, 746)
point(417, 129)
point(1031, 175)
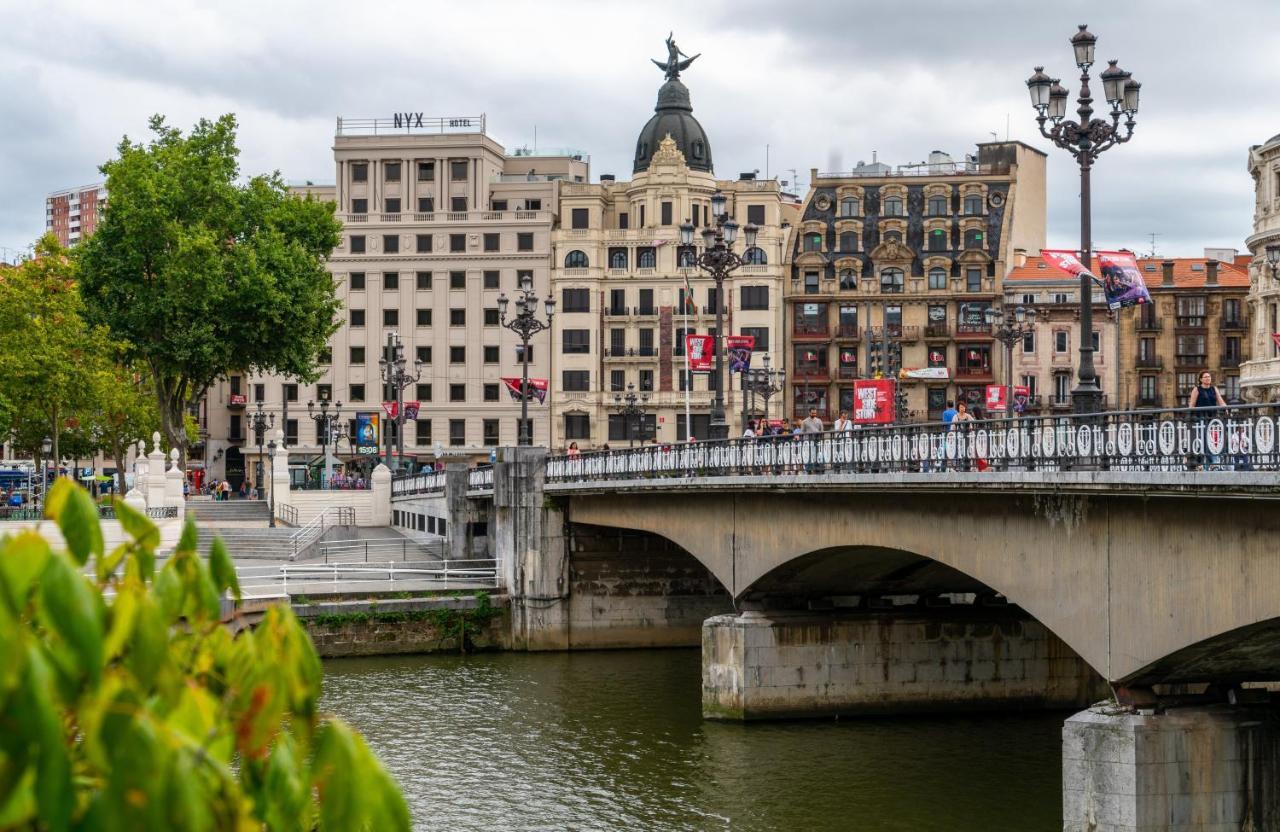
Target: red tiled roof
point(1188, 272)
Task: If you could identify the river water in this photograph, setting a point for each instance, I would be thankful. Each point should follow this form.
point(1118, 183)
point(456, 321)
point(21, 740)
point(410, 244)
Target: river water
point(615, 741)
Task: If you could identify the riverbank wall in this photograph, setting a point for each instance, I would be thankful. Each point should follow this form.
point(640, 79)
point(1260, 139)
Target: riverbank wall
point(393, 626)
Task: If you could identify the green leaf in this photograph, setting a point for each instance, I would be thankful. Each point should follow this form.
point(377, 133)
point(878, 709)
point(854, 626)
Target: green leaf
point(136, 524)
point(224, 571)
point(168, 591)
point(108, 564)
point(78, 520)
point(334, 771)
point(149, 648)
point(22, 558)
point(187, 543)
point(124, 614)
point(56, 499)
point(54, 794)
point(70, 609)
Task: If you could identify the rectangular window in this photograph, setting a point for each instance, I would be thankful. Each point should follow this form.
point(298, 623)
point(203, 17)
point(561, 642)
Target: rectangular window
point(259, 392)
point(973, 280)
point(457, 280)
point(326, 356)
point(1061, 388)
point(617, 342)
point(498, 205)
point(291, 431)
point(1147, 390)
point(357, 244)
point(390, 281)
point(422, 392)
point(423, 354)
point(457, 355)
point(355, 281)
point(391, 317)
point(617, 381)
point(973, 204)
point(520, 353)
point(646, 303)
point(457, 242)
point(1060, 341)
point(457, 317)
point(489, 427)
point(666, 213)
point(755, 215)
point(811, 283)
point(290, 392)
point(422, 431)
point(391, 172)
point(624, 220)
point(355, 392)
point(576, 381)
point(678, 346)
point(458, 204)
point(457, 432)
point(424, 243)
point(391, 243)
point(457, 392)
point(646, 343)
point(424, 317)
point(426, 205)
point(359, 171)
point(491, 280)
point(491, 241)
point(357, 355)
point(937, 278)
point(576, 341)
point(492, 317)
point(577, 426)
point(490, 392)
point(617, 301)
point(579, 218)
point(1029, 342)
point(491, 354)
point(755, 297)
point(357, 317)
point(359, 206)
point(424, 280)
point(426, 171)
point(575, 300)
point(235, 427)
point(524, 241)
point(646, 381)
point(391, 205)
point(761, 334)
point(458, 170)
point(533, 205)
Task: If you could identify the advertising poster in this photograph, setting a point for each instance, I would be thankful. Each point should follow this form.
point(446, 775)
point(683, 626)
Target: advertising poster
point(873, 401)
point(997, 398)
point(411, 410)
point(1021, 398)
point(740, 347)
point(367, 432)
point(929, 373)
point(1121, 281)
point(701, 351)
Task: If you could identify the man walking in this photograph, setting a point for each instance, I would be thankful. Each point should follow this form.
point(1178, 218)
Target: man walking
point(809, 430)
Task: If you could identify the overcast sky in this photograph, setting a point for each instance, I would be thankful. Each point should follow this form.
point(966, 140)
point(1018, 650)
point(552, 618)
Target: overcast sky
point(822, 83)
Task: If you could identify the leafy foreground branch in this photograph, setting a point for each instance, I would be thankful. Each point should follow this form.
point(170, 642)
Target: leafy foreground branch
point(125, 704)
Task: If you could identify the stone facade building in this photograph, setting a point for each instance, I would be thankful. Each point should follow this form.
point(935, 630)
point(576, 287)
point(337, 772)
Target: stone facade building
point(439, 219)
point(892, 269)
point(1261, 376)
point(620, 277)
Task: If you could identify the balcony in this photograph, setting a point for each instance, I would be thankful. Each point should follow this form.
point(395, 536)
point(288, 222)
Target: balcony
point(811, 373)
point(1191, 322)
point(844, 373)
point(1149, 401)
point(453, 216)
point(1234, 323)
point(811, 330)
point(644, 311)
point(973, 330)
point(1229, 361)
point(1060, 402)
point(972, 373)
point(617, 312)
point(1193, 360)
point(647, 352)
point(937, 331)
point(708, 310)
point(1148, 324)
point(848, 332)
point(1149, 362)
point(896, 331)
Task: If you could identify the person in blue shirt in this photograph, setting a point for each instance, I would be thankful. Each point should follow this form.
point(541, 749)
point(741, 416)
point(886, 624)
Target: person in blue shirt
point(949, 413)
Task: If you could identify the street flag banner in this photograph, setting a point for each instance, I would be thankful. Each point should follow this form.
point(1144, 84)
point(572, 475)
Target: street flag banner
point(390, 408)
point(1121, 281)
point(699, 349)
point(411, 410)
point(740, 348)
point(1275, 339)
point(367, 432)
point(997, 398)
point(873, 401)
point(1021, 398)
point(690, 305)
point(537, 389)
point(931, 373)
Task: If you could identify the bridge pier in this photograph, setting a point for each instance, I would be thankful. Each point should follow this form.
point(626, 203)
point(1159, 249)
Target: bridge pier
point(1196, 768)
point(775, 665)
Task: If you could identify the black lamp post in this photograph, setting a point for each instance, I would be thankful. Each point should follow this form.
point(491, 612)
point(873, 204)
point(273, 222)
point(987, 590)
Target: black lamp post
point(46, 448)
point(396, 376)
point(764, 382)
point(259, 422)
point(719, 259)
point(633, 411)
point(326, 423)
point(271, 490)
point(1085, 140)
point(1009, 333)
point(525, 324)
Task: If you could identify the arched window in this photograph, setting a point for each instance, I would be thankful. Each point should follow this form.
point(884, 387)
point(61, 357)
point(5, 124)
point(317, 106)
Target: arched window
point(893, 236)
point(937, 278)
point(938, 239)
point(848, 241)
point(849, 207)
point(813, 242)
point(646, 259)
point(687, 259)
point(848, 279)
point(618, 259)
point(576, 259)
point(891, 281)
point(973, 238)
point(697, 150)
point(892, 207)
point(755, 256)
point(938, 206)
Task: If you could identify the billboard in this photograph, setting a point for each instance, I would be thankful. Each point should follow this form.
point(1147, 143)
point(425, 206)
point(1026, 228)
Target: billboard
point(873, 401)
point(368, 432)
point(1121, 282)
point(701, 350)
point(997, 398)
point(739, 348)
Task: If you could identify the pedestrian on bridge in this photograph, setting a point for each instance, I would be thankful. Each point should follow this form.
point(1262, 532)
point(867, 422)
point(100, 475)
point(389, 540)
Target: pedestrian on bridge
point(1205, 399)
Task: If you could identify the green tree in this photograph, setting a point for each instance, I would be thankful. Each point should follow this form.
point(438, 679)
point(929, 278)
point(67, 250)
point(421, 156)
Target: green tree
point(126, 704)
point(125, 412)
point(201, 273)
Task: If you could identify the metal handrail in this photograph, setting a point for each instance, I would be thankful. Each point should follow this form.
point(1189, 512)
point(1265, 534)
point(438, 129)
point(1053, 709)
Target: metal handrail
point(287, 513)
point(424, 483)
point(304, 537)
point(341, 578)
point(480, 477)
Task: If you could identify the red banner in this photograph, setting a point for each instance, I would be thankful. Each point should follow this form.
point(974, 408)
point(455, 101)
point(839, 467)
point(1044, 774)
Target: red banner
point(391, 409)
point(701, 350)
point(1121, 281)
point(537, 389)
point(237, 398)
point(997, 398)
point(1275, 339)
point(411, 410)
point(873, 401)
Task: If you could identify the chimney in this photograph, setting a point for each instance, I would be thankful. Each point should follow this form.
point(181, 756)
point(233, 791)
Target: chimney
point(1019, 257)
point(1211, 272)
point(1167, 266)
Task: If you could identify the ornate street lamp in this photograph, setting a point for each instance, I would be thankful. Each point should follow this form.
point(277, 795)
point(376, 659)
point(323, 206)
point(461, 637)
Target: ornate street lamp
point(46, 448)
point(1010, 333)
point(1085, 140)
point(633, 411)
point(1273, 259)
point(718, 259)
point(397, 377)
point(764, 382)
point(271, 490)
point(526, 325)
point(326, 429)
point(259, 422)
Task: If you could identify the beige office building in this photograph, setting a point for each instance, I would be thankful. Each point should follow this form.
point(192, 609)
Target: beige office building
point(439, 219)
point(620, 277)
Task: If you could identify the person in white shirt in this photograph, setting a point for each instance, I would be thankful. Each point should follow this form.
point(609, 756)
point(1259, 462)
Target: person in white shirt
point(750, 432)
point(844, 422)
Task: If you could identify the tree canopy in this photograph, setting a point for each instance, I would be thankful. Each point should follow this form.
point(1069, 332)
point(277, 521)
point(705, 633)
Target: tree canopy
point(202, 273)
point(125, 703)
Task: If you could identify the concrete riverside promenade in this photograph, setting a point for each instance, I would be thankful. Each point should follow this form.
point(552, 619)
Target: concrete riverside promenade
point(816, 588)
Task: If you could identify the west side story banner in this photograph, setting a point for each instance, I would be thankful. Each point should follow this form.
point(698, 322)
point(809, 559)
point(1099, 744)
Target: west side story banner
point(1121, 281)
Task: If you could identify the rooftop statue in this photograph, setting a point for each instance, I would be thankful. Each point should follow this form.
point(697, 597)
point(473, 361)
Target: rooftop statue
point(673, 65)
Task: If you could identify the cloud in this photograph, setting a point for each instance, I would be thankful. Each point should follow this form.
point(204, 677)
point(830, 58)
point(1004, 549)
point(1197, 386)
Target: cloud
point(779, 87)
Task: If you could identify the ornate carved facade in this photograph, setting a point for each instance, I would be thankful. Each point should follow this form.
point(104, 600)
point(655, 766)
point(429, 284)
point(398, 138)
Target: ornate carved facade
point(1261, 376)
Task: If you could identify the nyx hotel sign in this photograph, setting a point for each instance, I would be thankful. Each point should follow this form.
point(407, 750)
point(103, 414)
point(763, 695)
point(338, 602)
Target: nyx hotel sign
point(407, 120)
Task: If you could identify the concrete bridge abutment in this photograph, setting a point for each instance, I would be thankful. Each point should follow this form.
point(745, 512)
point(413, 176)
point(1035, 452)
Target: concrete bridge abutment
point(779, 665)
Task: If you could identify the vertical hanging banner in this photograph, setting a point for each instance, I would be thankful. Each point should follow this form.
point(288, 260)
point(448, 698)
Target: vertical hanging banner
point(367, 432)
point(700, 349)
point(1021, 398)
point(873, 401)
point(1121, 281)
point(537, 389)
point(740, 348)
point(997, 398)
point(411, 410)
point(391, 409)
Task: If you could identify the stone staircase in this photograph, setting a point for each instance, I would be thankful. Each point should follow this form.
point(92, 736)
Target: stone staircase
point(210, 513)
point(249, 543)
